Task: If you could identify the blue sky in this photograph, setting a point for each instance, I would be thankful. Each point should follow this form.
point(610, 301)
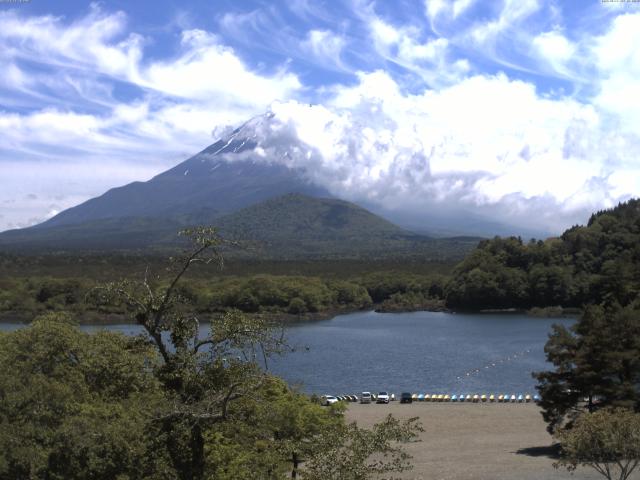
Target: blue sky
point(527, 111)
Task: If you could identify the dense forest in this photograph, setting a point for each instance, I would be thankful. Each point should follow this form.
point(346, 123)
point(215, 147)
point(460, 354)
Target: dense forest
point(592, 264)
point(302, 296)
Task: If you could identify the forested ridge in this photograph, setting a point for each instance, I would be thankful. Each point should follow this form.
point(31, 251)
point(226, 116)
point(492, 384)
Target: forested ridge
point(592, 264)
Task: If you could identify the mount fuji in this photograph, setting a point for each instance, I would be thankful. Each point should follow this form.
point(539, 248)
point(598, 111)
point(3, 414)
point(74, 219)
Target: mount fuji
point(250, 173)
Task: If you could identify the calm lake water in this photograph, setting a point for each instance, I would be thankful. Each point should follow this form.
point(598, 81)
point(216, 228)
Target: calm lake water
point(425, 352)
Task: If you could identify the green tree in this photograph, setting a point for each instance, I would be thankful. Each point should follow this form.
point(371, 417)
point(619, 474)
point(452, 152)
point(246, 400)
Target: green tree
point(202, 376)
point(353, 453)
point(77, 406)
point(597, 359)
point(607, 441)
point(272, 432)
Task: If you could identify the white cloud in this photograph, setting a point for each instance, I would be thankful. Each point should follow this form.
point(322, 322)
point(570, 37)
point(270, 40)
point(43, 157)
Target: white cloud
point(435, 7)
point(325, 46)
point(487, 143)
point(460, 6)
point(512, 13)
point(555, 49)
point(410, 48)
point(453, 8)
point(87, 43)
point(207, 69)
point(617, 57)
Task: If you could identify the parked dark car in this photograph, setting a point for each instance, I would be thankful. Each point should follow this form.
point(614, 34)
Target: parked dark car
point(405, 397)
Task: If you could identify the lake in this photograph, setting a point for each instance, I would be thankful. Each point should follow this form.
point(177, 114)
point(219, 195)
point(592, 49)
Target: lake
point(429, 352)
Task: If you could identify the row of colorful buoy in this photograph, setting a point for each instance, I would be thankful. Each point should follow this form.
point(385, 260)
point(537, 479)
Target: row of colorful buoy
point(492, 364)
point(477, 398)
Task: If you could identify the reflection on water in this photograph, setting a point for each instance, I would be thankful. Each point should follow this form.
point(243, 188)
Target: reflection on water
point(420, 352)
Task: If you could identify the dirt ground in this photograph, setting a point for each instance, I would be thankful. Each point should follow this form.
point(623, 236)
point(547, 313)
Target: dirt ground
point(474, 441)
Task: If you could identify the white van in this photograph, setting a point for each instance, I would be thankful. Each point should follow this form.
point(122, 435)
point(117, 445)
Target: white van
point(365, 397)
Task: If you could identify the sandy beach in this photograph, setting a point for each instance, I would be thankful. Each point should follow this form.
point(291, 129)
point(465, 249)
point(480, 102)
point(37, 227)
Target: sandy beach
point(474, 441)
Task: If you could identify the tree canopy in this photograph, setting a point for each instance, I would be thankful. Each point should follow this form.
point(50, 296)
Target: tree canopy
point(592, 264)
point(607, 441)
point(597, 359)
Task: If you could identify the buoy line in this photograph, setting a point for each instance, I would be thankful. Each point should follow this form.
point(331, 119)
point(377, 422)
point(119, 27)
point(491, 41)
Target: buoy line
point(492, 364)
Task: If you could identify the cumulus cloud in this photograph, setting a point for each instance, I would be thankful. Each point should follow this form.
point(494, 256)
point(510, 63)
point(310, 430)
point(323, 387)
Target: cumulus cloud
point(207, 69)
point(458, 147)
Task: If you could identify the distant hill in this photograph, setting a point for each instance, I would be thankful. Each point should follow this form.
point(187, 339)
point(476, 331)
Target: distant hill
point(292, 226)
point(298, 226)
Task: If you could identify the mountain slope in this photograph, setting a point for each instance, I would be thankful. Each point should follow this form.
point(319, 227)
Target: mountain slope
point(292, 226)
point(223, 178)
point(298, 226)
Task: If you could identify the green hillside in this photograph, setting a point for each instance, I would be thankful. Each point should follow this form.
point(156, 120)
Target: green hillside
point(297, 226)
point(591, 264)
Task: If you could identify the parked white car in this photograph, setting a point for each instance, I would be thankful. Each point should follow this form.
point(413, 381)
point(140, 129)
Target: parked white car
point(365, 397)
point(327, 400)
point(383, 397)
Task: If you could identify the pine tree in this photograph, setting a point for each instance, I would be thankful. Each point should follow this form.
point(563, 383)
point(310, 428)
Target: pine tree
point(597, 363)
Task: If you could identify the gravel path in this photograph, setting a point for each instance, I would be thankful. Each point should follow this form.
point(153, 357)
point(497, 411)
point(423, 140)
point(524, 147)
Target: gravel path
point(474, 441)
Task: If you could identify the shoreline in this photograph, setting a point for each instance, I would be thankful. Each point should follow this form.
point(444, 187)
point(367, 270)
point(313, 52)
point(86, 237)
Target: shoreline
point(95, 318)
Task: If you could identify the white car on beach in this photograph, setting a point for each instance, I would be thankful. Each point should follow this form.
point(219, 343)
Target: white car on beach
point(327, 400)
point(383, 397)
